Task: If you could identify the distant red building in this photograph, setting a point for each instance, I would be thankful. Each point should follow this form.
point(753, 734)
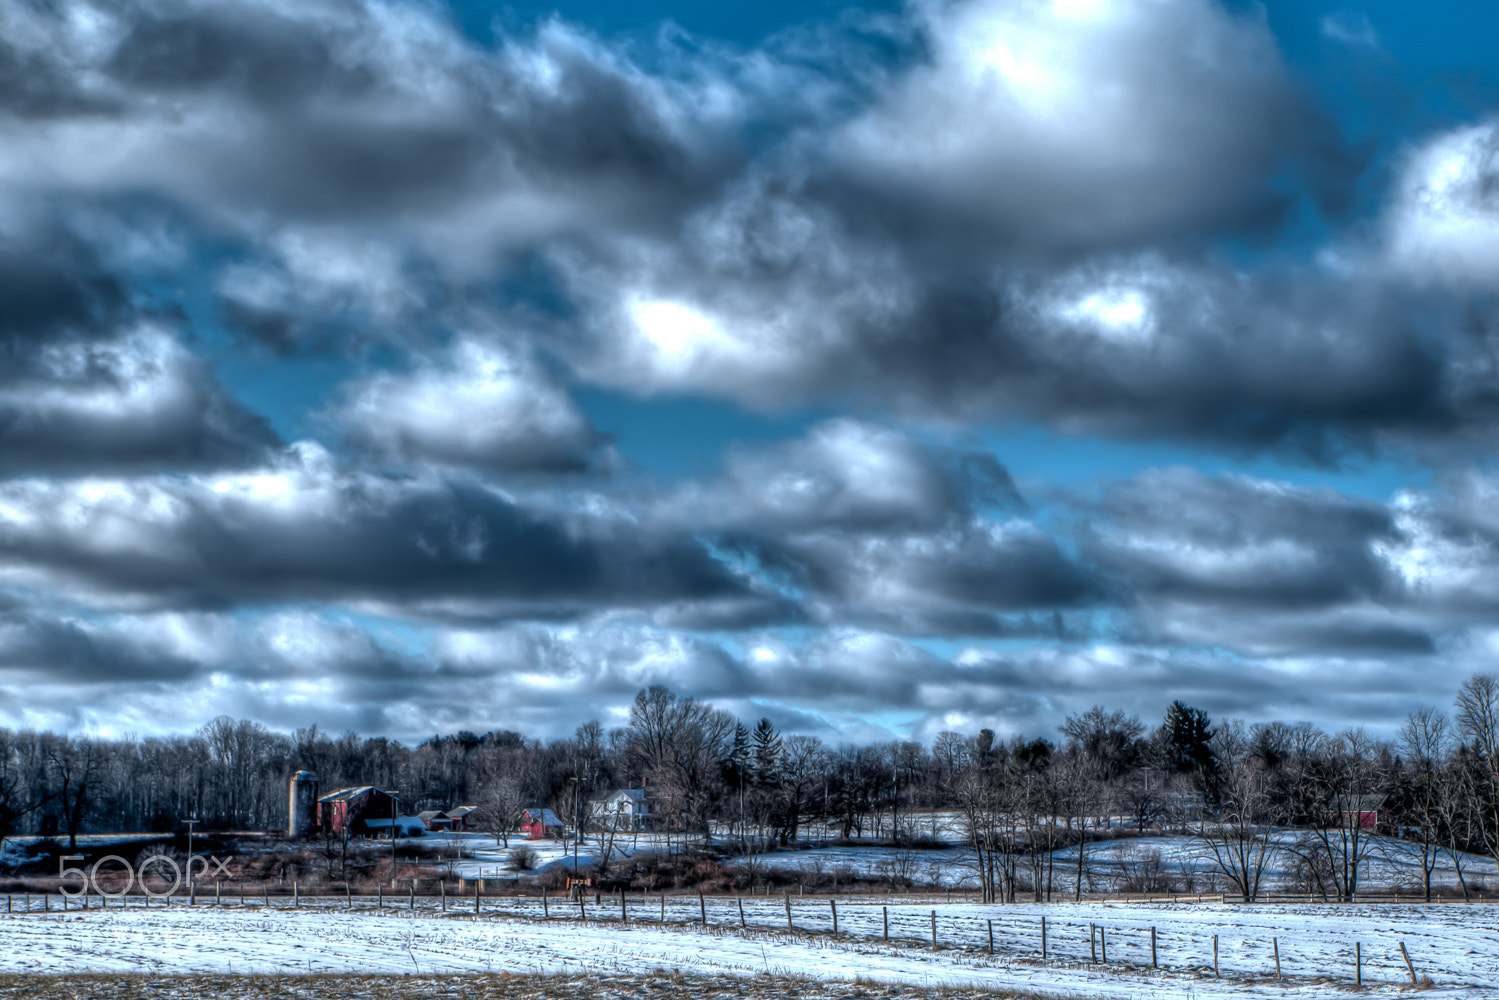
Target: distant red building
point(1362, 812)
point(541, 824)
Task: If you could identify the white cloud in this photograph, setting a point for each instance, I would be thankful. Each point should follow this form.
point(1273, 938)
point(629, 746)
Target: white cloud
point(1075, 123)
point(1351, 28)
point(482, 404)
point(1442, 225)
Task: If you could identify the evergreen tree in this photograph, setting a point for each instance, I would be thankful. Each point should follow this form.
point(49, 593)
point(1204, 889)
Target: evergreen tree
point(1186, 741)
point(765, 753)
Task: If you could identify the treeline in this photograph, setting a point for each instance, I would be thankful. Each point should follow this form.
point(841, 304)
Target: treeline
point(1237, 787)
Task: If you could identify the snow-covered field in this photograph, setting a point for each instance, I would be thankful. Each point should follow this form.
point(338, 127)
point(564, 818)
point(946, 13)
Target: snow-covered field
point(483, 856)
point(936, 867)
point(1390, 864)
point(1454, 944)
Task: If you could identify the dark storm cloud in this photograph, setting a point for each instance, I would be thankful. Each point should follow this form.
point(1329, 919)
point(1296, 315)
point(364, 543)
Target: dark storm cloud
point(333, 112)
point(1177, 534)
point(848, 475)
point(973, 568)
point(869, 524)
point(53, 285)
point(92, 381)
point(132, 404)
point(352, 145)
point(52, 649)
point(778, 303)
point(307, 531)
point(1355, 630)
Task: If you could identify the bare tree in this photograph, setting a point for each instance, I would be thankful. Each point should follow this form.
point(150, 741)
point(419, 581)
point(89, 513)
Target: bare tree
point(1240, 841)
point(681, 743)
point(1344, 783)
point(1478, 727)
point(1425, 743)
point(75, 766)
point(501, 800)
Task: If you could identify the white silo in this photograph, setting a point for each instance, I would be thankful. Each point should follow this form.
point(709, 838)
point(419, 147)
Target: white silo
point(301, 805)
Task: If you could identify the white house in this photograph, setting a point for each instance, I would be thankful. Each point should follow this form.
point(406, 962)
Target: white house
point(627, 810)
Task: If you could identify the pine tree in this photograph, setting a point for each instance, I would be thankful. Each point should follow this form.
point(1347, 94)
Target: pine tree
point(1186, 740)
point(766, 753)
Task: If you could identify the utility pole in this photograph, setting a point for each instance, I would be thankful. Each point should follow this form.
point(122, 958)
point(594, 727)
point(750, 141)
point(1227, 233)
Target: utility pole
point(190, 824)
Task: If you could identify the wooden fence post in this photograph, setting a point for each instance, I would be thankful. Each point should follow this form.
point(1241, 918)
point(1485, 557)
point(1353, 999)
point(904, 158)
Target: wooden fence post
point(934, 928)
point(348, 896)
point(218, 894)
point(1358, 964)
point(1103, 943)
point(442, 887)
point(789, 925)
point(413, 894)
point(887, 922)
point(476, 894)
point(1154, 964)
point(380, 896)
point(1043, 939)
point(1275, 943)
point(1403, 954)
point(834, 905)
point(1215, 956)
point(742, 924)
point(702, 908)
point(1093, 944)
point(624, 914)
point(991, 937)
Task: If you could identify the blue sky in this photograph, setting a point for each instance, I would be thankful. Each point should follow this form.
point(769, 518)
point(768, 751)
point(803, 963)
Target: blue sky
point(883, 370)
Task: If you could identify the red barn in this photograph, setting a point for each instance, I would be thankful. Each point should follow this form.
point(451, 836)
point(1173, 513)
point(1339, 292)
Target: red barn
point(349, 811)
point(540, 824)
point(1362, 811)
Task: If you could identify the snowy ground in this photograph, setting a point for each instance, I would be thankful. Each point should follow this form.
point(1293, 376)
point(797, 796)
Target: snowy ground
point(1390, 864)
point(1454, 944)
point(483, 856)
point(935, 867)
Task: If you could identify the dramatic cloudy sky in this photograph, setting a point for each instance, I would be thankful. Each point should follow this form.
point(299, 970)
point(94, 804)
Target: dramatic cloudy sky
point(411, 366)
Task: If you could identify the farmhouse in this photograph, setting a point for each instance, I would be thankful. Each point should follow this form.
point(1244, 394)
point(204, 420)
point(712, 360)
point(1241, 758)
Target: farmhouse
point(540, 824)
point(435, 820)
point(627, 810)
point(460, 816)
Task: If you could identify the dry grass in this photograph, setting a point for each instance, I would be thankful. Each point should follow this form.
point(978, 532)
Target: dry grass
point(472, 987)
